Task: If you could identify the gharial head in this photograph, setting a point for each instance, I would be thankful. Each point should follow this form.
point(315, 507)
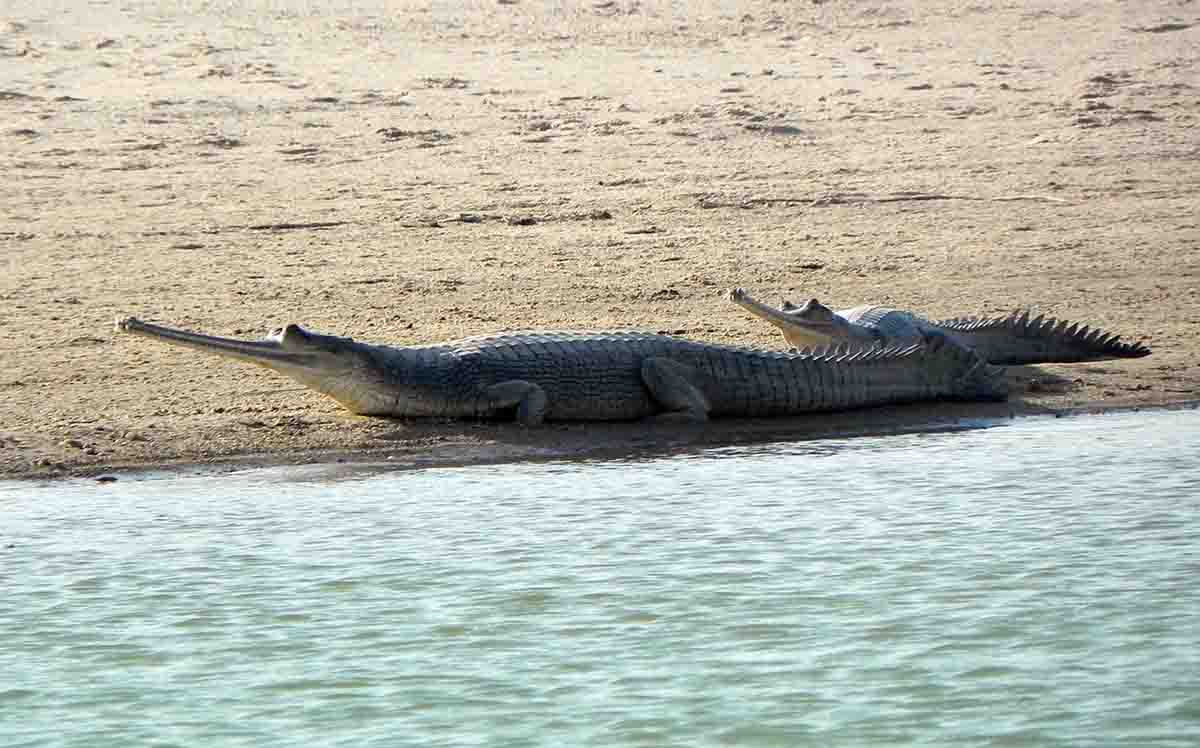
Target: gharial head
point(350, 372)
point(813, 324)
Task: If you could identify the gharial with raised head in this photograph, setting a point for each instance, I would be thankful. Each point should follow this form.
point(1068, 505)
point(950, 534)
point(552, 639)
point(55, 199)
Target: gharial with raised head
point(601, 376)
point(1013, 339)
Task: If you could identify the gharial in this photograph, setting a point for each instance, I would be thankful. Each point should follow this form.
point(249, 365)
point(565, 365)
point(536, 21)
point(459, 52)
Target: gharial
point(1014, 339)
point(601, 376)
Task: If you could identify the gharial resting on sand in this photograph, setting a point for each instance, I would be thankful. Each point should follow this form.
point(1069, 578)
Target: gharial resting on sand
point(602, 376)
point(1013, 339)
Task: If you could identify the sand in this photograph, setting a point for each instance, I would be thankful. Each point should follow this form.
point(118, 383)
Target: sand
point(406, 174)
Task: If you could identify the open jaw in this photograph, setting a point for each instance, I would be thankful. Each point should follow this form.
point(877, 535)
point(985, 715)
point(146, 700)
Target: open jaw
point(273, 353)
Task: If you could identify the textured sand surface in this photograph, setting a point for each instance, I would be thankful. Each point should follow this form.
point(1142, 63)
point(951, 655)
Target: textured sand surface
point(405, 172)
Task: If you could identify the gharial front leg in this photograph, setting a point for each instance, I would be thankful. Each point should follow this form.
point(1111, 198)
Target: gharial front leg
point(529, 398)
point(673, 386)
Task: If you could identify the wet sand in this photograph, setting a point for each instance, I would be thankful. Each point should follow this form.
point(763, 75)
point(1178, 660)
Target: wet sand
point(406, 175)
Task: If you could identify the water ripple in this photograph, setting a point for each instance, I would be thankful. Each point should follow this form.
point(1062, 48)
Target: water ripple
point(1032, 584)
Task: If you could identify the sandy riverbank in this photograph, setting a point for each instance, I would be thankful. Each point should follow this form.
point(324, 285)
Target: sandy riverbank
point(405, 175)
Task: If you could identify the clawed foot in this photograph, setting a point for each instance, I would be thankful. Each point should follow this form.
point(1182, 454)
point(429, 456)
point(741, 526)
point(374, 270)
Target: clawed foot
point(737, 294)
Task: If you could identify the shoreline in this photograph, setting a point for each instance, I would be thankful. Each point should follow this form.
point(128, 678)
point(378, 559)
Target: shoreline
point(622, 441)
point(428, 174)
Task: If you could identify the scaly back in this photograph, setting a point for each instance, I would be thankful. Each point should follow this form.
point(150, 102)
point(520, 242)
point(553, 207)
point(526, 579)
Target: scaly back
point(895, 325)
point(1017, 339)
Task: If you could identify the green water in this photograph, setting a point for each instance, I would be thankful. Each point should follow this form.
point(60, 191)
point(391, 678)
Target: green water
point(1032, 584)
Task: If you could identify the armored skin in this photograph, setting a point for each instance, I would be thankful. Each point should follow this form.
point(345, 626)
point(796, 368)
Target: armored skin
point(1014, 339)
point(601, 376)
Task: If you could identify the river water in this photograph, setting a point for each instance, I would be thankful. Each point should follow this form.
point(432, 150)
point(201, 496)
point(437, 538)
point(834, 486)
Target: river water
point(1036, 583)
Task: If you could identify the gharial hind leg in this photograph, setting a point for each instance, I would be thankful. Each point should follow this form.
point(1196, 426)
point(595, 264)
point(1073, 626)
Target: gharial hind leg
point(530, 399)
point(672, 385)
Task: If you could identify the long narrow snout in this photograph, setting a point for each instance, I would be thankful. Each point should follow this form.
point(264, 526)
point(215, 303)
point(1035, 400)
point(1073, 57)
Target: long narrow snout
point(359, 376)
point(270, 352)
point(798, 330)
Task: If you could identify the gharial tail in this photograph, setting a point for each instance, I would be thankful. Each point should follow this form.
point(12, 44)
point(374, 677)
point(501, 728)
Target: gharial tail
point(1016, 339)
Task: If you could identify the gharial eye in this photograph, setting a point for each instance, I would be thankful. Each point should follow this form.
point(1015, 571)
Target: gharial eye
point(294, 333)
